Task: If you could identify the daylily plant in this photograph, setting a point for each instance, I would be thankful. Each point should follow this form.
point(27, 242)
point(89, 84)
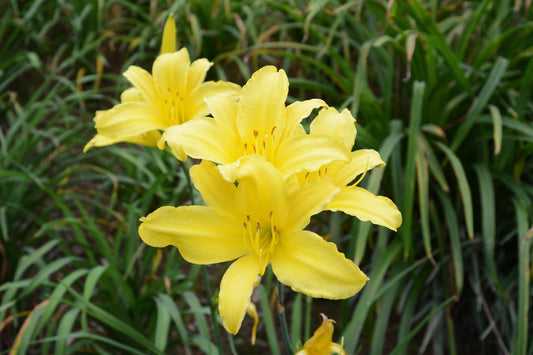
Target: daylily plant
point(258, 122)
point(258, 222)
point(173, 94)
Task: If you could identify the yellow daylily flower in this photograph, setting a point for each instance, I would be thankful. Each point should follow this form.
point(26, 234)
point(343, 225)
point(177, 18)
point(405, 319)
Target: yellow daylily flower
point(321, 342)
point(173, 94)
point(257, 123)
point(258, 222)
point(351, 199)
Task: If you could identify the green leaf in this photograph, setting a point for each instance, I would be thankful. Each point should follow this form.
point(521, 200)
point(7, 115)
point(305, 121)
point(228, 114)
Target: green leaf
point(268, 321)
point(415, 120)
point(464, 188)
point(480, 102)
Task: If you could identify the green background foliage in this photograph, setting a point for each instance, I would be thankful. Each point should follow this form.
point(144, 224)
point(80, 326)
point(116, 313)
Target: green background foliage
point(442, 89)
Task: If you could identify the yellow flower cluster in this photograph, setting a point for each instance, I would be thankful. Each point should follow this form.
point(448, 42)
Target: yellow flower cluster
point(261, 176)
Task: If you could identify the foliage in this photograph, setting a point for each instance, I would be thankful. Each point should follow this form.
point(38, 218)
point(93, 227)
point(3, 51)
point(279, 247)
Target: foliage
point(441, 88)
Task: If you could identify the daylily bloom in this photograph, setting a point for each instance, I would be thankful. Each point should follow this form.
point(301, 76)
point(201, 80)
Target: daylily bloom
point(321, 342)
point(257, 123)
point(173, 94)
point(258, 222)
point(351, 199)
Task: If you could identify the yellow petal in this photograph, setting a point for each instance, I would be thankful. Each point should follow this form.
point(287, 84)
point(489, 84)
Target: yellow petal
point(195, 106)
point(201, 235)
point(129, 119)
point(308, 264)
point(223, 107)
point(216, 192)
point(321, 341)
point(197, 73)
point(262, 103)
point(131, 94)
point(261, 189)
point(307, 200)
point(175, 149)
point(149, 139)
point(168, 44)
point(170, 71)
point(235, 291)
point(205, 138)
point(366, 206)
point(362, 160)
point(299, 110)
point(144, 82)
point(308, 152)
point(339, 126)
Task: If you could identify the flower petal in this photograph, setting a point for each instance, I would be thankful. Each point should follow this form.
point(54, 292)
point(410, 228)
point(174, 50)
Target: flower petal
point(201, 235)
point(129, 119)
point(216, 192)
point(143, 81)
point(362, 160)
point(236, 289)
point(299, 110)
point(170, 71)
point(223, 107)
point(205, 138)
point(366, 206)
point(339, 126)
point(262, 103)
point(196, 106)
point(308, 264)
point(149, 139)
point(131, 94)
point(197, 73)
point(168, 44)
point(261, 190)
point(307, 200)
point(308, 152)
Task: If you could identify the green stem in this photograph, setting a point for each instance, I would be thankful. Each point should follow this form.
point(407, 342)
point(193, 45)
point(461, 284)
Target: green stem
point(283, 320)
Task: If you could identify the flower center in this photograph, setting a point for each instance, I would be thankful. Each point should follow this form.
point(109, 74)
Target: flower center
point(173, 107)
point(261, 238)
point(262, 144)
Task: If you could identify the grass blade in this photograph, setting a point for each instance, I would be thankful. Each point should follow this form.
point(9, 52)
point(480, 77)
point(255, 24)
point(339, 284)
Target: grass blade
point(415, 120)
point(464, 188)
